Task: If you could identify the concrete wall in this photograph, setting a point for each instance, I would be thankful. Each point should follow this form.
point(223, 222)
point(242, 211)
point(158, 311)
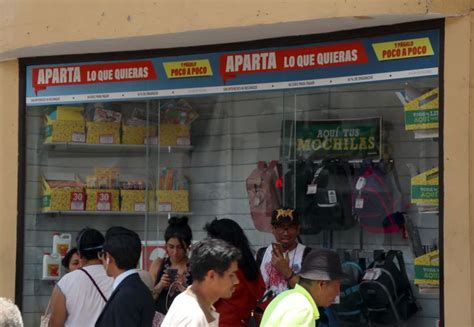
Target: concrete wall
point(34, 27)
point(8, 174)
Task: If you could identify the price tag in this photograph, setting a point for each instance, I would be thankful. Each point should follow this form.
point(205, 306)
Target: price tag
point(164, 207)
point(359, 203)
point(77, 201)
point(140, 207)
point(106, 139)
point(332, 198)
point(312, 189)
point(153, 140)
point(78, 137)
point(104, 201)
point(183, 141)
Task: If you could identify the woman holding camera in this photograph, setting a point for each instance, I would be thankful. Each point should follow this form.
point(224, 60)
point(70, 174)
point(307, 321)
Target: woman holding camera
point(171, 274)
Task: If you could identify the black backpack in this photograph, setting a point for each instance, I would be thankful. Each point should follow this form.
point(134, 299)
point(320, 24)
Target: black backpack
point(386, 290)
point(323, 195)
point(349, 308)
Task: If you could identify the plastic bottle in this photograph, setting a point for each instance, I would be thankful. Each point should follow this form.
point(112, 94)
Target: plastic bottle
point(61, 243)
point(51, 266)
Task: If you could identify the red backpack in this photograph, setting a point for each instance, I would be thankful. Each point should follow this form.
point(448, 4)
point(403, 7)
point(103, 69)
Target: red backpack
point(263, 195)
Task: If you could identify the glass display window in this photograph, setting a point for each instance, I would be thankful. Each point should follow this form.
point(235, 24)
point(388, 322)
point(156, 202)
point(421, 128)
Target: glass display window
point(347, 134)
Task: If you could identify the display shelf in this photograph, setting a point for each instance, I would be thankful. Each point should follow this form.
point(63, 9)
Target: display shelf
point(73, 147)
point(59, 213)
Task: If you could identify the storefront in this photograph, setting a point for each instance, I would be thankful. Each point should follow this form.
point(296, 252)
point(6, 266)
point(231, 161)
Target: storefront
point(350, 128)
point(255, 109)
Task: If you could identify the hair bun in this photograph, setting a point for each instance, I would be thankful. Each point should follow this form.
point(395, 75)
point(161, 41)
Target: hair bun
point(178, 220)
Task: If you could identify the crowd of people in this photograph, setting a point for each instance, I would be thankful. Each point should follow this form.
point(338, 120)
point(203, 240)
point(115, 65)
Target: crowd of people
point(215, 282)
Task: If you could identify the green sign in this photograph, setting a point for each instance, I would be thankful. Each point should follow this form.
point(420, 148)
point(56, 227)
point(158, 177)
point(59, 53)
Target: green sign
point(424, 194)
point(344, 139)
point(421, 119)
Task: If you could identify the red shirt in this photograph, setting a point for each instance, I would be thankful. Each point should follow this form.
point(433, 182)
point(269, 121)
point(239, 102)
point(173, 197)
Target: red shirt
point(236, 310)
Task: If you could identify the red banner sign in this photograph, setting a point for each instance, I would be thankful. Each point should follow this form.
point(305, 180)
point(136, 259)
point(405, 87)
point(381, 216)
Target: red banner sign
point(93, 73)
point(351, 53)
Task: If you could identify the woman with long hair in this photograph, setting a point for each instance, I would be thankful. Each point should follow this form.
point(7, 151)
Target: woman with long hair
point(236, 310)
point(171, 274)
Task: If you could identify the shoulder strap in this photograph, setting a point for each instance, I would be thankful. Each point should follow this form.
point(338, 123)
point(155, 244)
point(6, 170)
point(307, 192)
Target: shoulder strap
point(306, 251)
point(260, 254)
point(95, 284)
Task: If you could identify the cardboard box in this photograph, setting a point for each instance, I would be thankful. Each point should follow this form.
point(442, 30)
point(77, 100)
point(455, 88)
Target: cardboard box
point(103, 133)
point(135, 201)
point(102, 199)
point(136, 134)
point(64, 131)
point(427, 269)
point(175, 134)
point(175, 201)
point(61, 198)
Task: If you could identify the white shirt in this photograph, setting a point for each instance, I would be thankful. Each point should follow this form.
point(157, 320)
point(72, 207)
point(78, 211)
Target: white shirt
point(83, 301)
point(122, 276)
point(186, 311)
point(273, 279)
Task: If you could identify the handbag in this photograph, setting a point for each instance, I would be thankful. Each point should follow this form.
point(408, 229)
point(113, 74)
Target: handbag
point(44, 320)
point(257, 313)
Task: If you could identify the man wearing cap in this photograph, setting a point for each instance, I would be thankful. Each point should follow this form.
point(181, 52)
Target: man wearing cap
point(281, 261)
point(319, 284)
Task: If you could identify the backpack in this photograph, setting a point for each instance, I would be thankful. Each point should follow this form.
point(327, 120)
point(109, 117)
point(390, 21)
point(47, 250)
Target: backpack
point(349, 308)
point(262, 194)
point(329, 196)
point(386, 290)
point(376, 200)
point(295, 184)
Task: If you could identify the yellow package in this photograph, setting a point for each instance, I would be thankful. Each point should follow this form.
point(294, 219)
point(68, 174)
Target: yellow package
point(62, 196)
point(137, 134)
point(64, 131)
point(69, 113)
point(175, 201)
point(175, 134)
point(102, 200)
point(103, 133)
point(134, 201)
point(427, 269)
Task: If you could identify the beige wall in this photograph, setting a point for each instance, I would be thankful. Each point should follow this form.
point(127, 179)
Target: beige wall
point(8, 174)
point(457, 236)
point(30, 23)
point(25, 24)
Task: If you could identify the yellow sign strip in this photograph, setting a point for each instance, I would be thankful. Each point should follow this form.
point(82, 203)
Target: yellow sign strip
point(192, 68)
point(402, 49)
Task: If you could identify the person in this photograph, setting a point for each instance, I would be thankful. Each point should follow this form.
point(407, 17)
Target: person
point(131, 303)
point(281, 261)
point(214, 265)
point(71, 260)
point(178, 238)
point(10, 316)
point(318, 285)
point(236, 310)
point(80, 295)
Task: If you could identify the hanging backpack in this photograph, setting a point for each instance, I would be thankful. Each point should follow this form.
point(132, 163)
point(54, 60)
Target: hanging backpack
point(262, 194)
point(376, 199)
point(386, 290)
point(329, 196)
point(299, 175)
point(349, 308)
